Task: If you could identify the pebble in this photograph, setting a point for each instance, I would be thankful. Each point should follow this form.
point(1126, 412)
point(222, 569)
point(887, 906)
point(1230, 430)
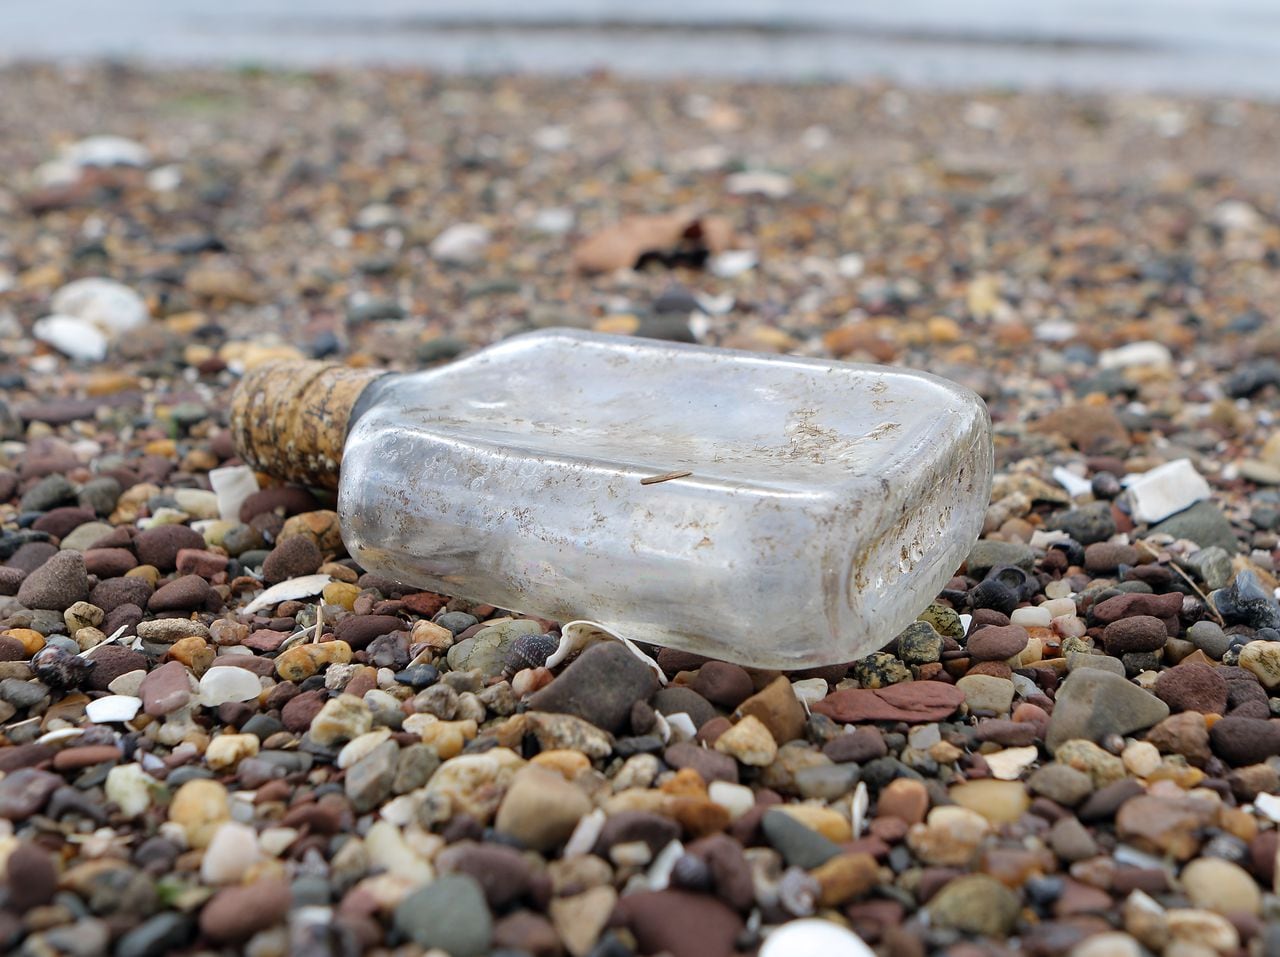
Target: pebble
point(166, 689)
point(975, 904)
point(680, 923)
point(914, 701)
point(236, 913)
point(1220, 886)
point(186, 593)
point(449, 913)
point(997, 643)
point(57, 584)
point(814, 936)
point(986, 693)
point(541, 809)
point(1092, 704)
point(231, 853)
point(799, 845)
point(1193, 686)
point(778, 709)
point(600, 686)
point(748, 742)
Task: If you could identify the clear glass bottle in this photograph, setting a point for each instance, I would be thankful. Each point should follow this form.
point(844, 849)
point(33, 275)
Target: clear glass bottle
point(772, 511)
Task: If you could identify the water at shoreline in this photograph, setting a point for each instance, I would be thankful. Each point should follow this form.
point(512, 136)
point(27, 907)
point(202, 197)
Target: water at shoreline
point(1190, 46)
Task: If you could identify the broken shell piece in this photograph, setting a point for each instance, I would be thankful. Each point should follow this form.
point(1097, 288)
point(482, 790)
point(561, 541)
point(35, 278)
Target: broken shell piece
point(292, 590)
point(575, 636)
point(113, 708)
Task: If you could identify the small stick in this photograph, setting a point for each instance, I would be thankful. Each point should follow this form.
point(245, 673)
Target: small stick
point(667, 477)
point(1187, 578)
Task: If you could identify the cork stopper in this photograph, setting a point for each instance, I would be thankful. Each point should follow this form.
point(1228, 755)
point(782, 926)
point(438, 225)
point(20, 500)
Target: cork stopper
point(289, 419)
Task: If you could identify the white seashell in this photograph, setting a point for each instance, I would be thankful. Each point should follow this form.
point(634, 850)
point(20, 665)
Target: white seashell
point(295, 588)
point(577, 635)
point(73, 337)
point(113, 708)
point(111, 306)
point(1008, 765)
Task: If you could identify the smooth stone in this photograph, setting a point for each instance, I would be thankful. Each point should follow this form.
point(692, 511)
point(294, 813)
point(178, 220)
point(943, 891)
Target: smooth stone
point(450, 913)
point(600, 686)
point(1092, 704)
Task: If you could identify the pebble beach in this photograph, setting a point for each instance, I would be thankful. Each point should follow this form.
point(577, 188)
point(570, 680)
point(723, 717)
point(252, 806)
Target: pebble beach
point(220, 735)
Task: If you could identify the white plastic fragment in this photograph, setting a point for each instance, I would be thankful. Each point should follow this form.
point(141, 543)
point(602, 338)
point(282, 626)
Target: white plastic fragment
point(1165, 490)
point(813, 935)
point(292, 590)
point(232, 484)
point(1074, 484)
point(113, 708)
point(1268, 805)
point(1146, 353)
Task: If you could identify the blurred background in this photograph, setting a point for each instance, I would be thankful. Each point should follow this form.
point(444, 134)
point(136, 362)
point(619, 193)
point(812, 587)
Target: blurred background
point(1208, 46)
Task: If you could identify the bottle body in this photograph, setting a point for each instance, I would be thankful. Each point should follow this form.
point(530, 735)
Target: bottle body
point(824, 504)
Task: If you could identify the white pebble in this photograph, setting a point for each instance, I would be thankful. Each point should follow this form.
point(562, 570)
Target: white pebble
point(585, 834)
point(109, 305)
point(762, 182)
point(129, 788)
point(74, 338)
point(1070, 626)
point(460, 243)
point(233, 850)
point(112, 708)
point(276, 840)
point(359, 747)
point(1056, 607)
point(659, 876)
point(1165, 490)
point(810, 690)
point(1146, 353)
point(220, 685)
point(804, 938)
point(1035, 617)
point(682, 726)
point(732, 262)
point(737, 799)
point(197, 502)
point(1061, 588)
point(555, 221)
point(107, 150)
point(232, 484)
